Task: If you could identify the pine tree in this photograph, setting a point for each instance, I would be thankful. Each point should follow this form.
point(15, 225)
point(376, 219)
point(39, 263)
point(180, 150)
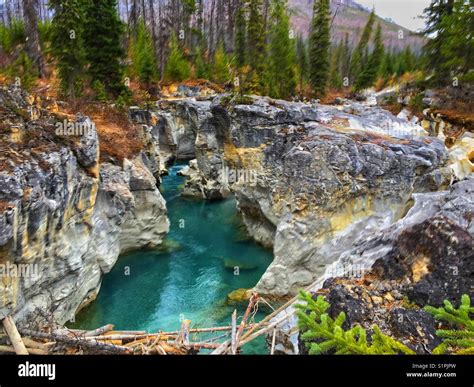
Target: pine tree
point(460, 337)
point(387, 68)
point(103, 44)
point(143, 56)
point(23, 68)
point(302, 58)
point(256, 46)
point(282, 53)
point(359, 57)
point(403, 61)
point(457, 50)
point(371, 70)
point(177, 67)
point(12, 35)
point(322, 334)
point(67, 43)
point(201, 68)
point(408, 59)
point(241, 35)
point(221, 66)
point(346, 57)
point(319, 44)
point(337, 54)
point(435, 16)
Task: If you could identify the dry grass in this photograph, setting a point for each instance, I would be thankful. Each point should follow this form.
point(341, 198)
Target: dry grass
point(119, 138)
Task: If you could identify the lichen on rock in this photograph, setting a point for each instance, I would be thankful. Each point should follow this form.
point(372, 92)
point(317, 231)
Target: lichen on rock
point(65, 212)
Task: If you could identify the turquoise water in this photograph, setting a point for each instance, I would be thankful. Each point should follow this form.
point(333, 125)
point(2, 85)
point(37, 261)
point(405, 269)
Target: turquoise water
point(188, 277)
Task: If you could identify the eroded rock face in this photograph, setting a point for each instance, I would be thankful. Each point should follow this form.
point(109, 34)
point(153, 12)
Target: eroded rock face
point(315, 179)
point(422, 259)
point(64, 213)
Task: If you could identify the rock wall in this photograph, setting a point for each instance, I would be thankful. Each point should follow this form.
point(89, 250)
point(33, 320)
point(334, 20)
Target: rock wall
point(423, 259)
point(63, 213)
point(325, 177)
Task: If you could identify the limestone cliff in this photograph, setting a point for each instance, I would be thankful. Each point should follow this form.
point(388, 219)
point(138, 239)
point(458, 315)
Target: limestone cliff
point(422, 259)
point(323, 177)
point(65, 213)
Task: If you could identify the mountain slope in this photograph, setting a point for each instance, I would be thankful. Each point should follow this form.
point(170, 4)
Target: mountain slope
point(350, 18)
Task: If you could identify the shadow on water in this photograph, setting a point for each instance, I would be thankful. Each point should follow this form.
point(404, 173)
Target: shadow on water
point(189, 276)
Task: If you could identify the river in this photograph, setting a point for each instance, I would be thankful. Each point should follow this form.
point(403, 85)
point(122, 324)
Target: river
point(188, 277)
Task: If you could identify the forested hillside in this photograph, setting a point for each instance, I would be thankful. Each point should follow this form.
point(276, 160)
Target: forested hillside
point(269, 47)
point(350, 17)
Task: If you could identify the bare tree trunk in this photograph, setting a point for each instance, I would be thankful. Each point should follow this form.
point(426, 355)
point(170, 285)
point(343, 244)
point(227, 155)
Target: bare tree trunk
point(38, 7)
point(232, 6)
point(44, 5)
point(211, 29)
point(144, 11)
point(9, 13)
point(127, 13)
point(153, 26)
point(133, 15)
point(161, 40)
point(32, 43)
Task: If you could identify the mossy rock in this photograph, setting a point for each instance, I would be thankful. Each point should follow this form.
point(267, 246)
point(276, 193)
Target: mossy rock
point(168, 246)
point(239, 295)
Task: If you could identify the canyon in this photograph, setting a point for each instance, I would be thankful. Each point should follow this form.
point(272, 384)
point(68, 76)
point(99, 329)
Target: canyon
point(323, 186)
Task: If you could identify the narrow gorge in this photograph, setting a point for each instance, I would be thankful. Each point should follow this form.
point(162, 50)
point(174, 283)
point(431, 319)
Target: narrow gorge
point(329, 189)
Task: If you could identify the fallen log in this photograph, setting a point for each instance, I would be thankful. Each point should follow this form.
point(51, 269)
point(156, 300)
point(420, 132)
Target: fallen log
point(212, 339)
point(252, 302)
point(131, 337)
point(77, 341)
point(183, 337)
point(31, 351)
point(203, 345)
point(233, 344)
point(133, 333)
point(204, 330)
point(144, 341)
point(99, 331)
point(32, 344)
point(158, 350)
point(222, 348)
point(265, 330)
point(166, 349)
point(14, 336)
point(275, 312)
point(272, 350)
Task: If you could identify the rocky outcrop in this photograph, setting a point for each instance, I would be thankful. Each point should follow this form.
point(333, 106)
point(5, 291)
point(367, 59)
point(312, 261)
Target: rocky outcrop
point(63, 214)
point(310, 180)
point(422, 259)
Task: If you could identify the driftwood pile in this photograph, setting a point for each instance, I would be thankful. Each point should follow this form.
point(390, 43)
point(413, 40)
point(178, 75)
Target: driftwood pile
point(106, 340)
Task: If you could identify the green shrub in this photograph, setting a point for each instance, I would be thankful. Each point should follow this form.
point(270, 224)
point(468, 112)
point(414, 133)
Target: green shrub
point(45, 31)
point(100, 92)
point(322, 334)
point(12, 35)
point(221, 66)
point(177, 68)
point(416, 102)
point(459, 339)
point(24, 70)
point(143, 54)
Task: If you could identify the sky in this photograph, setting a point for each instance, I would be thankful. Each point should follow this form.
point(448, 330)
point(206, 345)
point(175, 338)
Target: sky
point(403, 12)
